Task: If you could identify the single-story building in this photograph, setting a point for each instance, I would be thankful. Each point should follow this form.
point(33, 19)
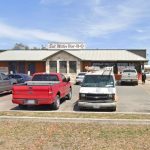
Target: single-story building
point(70, 62)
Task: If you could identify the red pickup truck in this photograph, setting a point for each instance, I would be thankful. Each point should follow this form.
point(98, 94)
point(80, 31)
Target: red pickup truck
point(43, 89)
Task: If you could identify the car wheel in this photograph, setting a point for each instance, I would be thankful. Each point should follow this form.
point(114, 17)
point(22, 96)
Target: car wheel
point(76, 83)
point(56, 103)
point(22, 106)
point(69, 96)
point(121, 83)
point(81, 109)
point(113, 109)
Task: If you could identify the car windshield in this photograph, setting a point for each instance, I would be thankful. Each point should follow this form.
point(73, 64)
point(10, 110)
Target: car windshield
point(11, 76)
point(98, 81)
point(17, 76)
point(45, 77)
point(81, 74)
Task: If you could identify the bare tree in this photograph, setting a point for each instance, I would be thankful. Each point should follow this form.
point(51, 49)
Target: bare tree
point(20, 46)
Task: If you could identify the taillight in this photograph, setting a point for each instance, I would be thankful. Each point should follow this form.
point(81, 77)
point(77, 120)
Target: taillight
point(50, 90)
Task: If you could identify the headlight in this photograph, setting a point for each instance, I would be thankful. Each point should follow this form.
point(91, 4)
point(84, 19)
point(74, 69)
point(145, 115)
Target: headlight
point(82, 96)
point(111, 96)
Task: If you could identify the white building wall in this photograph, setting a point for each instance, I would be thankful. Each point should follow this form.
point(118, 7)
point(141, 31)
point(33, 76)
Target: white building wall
point(63, 56)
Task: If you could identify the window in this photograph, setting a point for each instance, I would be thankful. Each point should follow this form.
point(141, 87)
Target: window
point(17, 77)
point(11, 76)
point(31, 68)
point(53, 66)
point(63, 66)
point(98, 81)
point(82, 74)
point(45, 77)
point(72, 66)
point(129, 71)
point(13, 67)
point(21, 67)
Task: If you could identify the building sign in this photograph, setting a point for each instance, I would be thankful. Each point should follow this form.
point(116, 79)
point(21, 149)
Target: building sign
point(66, 45)
point(103, 64)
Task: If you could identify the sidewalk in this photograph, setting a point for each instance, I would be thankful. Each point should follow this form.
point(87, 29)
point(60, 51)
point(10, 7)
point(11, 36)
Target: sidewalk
point(147, 82)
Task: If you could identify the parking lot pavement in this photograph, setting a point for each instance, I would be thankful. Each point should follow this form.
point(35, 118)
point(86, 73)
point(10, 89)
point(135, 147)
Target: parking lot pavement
point(70, 105)
point(5, 102)
point(146, 86)
point(131, 99)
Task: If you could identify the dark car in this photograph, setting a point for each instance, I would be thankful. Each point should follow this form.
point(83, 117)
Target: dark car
point(21, 78)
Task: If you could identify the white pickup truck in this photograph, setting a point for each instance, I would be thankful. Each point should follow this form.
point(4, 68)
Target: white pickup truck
point(98, 91)
point(129, 76)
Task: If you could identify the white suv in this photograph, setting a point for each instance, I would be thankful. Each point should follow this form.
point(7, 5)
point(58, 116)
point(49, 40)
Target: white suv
point(129, 76)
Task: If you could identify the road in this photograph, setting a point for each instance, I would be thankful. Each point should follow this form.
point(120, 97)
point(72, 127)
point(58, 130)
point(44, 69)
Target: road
point(131, 99)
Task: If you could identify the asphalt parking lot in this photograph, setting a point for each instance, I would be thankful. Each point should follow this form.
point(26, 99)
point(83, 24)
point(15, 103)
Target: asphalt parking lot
point(130, 99)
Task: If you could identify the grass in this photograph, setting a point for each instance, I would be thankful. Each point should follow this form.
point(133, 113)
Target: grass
point(32, 135)
point(25, 135)
point(76, 115)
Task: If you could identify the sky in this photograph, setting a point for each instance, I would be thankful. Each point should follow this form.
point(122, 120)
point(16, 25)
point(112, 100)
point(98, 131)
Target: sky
point(103, 24)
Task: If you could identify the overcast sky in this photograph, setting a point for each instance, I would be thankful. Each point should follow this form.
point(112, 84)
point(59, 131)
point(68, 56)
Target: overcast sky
point(100, 24)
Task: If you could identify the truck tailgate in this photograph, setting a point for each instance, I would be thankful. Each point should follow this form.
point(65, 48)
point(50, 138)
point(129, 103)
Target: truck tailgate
point(31, 92)
point(129, 76)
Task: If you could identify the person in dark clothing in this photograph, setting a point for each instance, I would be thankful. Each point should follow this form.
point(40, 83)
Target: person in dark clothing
point(143, 78)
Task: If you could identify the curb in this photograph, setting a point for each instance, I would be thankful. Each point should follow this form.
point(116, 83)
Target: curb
point(78, 120)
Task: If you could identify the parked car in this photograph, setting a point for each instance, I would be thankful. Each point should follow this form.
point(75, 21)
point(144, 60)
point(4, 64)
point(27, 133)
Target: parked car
point(44, 89)
point(20, 77)
point(80, 77)
point(5, 83)
point(98, 90)
point(129, 76)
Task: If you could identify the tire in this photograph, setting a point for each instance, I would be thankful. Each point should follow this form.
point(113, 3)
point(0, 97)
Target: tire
point(22, 106)
point(56, 103)
point(80, 108)
point(76, 83)
point(121, 83)
point(113, 109)
point(69, 96)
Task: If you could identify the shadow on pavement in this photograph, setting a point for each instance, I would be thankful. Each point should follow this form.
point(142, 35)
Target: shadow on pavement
point(5, 94)
point(38, 107)
point(76, 108)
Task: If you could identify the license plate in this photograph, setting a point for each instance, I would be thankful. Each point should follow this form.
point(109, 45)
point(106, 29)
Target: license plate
point(32, 102)
point(96, 107)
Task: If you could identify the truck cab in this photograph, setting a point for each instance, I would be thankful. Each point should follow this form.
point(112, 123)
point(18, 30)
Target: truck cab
point(98, 90)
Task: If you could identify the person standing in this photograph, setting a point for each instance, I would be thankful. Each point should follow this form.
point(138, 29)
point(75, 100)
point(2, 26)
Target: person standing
point(143, 78)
